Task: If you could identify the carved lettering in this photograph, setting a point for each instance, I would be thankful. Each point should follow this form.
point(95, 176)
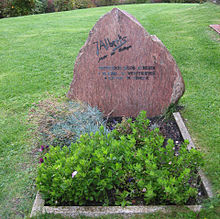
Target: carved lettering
point(124, 48)
point(101, 58)
point(128, 72)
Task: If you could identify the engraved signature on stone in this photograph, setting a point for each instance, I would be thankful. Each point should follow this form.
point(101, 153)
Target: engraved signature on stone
point(115, 45)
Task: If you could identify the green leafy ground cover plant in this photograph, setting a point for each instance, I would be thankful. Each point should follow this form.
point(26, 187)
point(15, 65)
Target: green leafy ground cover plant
point(129, 165)
point(37, 56)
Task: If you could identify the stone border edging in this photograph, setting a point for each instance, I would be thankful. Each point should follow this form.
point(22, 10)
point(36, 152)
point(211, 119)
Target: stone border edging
point(186, 136)
point(94, 211)
point(37, 206)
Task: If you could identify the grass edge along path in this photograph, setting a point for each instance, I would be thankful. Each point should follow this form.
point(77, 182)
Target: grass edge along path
point(37, 56)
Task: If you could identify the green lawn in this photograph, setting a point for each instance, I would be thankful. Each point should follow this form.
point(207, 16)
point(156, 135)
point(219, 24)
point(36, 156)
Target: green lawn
point(37, 56)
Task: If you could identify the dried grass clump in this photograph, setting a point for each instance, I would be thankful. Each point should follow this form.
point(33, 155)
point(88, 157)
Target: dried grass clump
point(62, 123)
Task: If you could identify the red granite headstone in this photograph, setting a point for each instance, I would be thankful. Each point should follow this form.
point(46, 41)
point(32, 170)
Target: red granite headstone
point(122, 69)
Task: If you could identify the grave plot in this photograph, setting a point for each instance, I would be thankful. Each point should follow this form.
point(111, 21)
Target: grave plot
point(205, 191)
point(123, 70)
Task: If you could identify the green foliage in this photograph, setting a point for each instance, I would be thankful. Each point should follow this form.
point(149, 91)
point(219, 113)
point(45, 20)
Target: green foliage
point(61, 5)
point(77, 4)
point(40, 6)
point(62, 123)
point(125, 166)
point(142, 1)
point(66, 5)
point(12, 8)
point(212, 203)
point(170, 110)
point(117, 2)
point(105, 2)
point(184, 1)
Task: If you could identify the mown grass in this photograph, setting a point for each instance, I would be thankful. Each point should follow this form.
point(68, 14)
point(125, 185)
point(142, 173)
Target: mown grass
point(37, 56)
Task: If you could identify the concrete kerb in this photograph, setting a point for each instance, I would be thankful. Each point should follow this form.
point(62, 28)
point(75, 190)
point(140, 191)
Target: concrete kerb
point(37, 206)
point(94, 211)
point(186, 136)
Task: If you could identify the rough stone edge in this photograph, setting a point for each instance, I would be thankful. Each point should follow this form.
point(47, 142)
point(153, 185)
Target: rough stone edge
point(39, 208)
point(213, 27)
point(186, 136)
point(179, 85)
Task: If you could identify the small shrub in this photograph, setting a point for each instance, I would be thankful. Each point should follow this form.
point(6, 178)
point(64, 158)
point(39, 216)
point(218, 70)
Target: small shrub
point(184, 1)
point(142, 1)
point(107, 2)
point(61, 123)
point(66, 5)
point(50, 6)
point(2, 8)
point(117, 2)
point(40, 6)
point(62, 5)
point(127, 166)
point(12, 8)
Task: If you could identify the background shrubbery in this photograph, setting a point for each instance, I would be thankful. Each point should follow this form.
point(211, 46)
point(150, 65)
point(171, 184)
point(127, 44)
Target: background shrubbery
point(117, 2)
point(12, 8)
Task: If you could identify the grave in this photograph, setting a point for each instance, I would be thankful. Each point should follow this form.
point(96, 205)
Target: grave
point(39, 206)
point(122, 69)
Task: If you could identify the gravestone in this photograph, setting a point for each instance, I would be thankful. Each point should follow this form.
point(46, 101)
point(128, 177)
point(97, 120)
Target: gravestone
point(122, 69)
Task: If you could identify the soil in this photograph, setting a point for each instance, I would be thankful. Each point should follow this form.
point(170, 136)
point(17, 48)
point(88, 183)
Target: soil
point(168, 127)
